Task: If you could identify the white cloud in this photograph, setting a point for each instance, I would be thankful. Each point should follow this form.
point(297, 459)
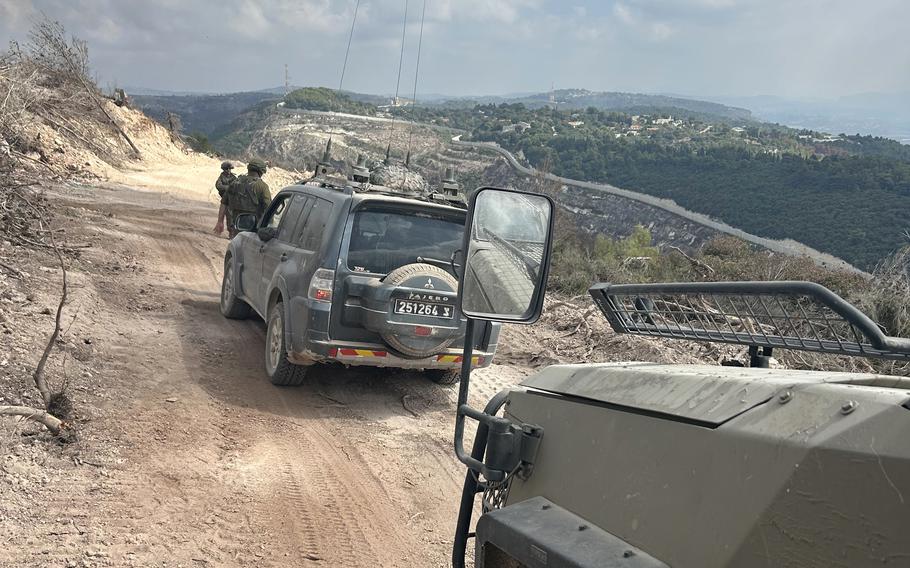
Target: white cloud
point(14, 13)
point(660, 31)
point(800, 47)
point(642, 24)
point(499, 11)
point(623, 13)
point(249, 20)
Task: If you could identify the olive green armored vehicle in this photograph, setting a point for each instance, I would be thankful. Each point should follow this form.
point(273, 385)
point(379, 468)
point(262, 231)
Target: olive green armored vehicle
point(646, 465)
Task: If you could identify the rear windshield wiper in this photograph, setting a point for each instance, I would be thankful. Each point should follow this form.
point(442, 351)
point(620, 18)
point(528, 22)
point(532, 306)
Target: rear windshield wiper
point(437, 262)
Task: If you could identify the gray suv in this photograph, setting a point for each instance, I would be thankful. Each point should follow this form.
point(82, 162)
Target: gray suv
point(357, 275)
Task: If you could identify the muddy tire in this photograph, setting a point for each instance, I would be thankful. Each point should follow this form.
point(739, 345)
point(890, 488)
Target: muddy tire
point(443, 376)
point(415, 275)
point(280, 371)
point(231, 306)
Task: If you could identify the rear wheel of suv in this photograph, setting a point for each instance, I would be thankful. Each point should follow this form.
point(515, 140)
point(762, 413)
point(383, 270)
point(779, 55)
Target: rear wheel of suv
point(416, 276)
point(443, 376)
point(281, 371)
point(232, 306)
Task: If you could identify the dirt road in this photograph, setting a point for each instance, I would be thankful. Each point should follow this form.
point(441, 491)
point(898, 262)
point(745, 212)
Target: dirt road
point(187, 455)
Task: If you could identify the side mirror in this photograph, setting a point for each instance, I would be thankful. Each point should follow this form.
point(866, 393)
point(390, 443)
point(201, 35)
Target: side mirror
point(508, 238)
point(245, 222)
point(266, 234)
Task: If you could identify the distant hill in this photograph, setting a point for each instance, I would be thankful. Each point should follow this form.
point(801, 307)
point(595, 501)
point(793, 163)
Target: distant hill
point(235, 136)
point(583, 98)
point(201, 113)
point(844, 195)
point(212, 113)
point(579, 99)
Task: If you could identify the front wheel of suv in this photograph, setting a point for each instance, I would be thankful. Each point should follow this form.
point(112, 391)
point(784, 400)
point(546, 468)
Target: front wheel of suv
point(443, 376)
point(231, 306)
point(280, 371)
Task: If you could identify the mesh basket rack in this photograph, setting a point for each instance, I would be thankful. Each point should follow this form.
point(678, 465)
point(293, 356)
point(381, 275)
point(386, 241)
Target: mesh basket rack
point(762, 315)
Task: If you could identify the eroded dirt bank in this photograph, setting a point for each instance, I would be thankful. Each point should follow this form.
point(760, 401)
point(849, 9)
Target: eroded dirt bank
point(187, 456)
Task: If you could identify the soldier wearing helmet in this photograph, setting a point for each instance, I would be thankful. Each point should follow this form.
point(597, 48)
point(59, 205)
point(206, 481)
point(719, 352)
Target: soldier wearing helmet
point(247, 194)
point(224, 180)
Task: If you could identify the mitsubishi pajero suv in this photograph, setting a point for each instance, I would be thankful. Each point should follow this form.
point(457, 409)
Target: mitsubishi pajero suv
point(356, 274)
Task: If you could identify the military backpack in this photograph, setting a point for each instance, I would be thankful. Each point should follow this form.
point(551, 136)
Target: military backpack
point(244, 198)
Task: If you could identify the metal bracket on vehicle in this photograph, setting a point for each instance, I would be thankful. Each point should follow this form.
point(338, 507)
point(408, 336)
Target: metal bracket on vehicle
point(509, 446)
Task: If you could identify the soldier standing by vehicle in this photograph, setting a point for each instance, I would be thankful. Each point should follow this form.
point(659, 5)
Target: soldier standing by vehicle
point(224, 180)
point(247, 194)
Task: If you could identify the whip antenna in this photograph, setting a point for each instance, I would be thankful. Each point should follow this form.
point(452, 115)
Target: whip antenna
point(404, 28)
point(344, 66)
point(423, 16)
point(323, 167)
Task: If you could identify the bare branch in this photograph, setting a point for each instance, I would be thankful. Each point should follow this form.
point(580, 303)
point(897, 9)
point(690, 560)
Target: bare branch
point(52, 423)
point(14, 272)
point(39, 374)
point(697, 263)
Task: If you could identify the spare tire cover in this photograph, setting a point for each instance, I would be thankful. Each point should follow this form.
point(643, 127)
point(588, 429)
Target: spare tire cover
point(417, 276)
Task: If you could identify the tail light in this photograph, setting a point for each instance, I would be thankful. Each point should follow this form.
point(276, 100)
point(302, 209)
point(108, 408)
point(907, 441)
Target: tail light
point(321, 285)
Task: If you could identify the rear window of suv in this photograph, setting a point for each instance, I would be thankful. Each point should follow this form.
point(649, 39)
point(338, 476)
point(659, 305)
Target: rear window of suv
point(381, 240)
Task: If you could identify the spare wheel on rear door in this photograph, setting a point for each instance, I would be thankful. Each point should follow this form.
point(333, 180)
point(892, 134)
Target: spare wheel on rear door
point(434, 281)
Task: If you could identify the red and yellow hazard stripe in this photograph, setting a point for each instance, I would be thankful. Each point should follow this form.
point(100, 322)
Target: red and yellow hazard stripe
point(345, 353)
point(476, 360)
point(357, 353)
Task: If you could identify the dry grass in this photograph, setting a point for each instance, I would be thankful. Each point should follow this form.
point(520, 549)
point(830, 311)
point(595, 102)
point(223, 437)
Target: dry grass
point(887, 299)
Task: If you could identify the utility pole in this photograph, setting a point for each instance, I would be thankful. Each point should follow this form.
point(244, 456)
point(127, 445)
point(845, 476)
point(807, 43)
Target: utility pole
point(287, 81)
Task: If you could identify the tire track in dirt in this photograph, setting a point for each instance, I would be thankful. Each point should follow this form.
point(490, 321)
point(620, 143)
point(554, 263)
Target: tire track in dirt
point(322, 496)
point(219, 467)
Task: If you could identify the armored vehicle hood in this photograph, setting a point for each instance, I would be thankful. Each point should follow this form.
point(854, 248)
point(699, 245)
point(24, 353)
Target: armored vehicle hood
point(709, 395)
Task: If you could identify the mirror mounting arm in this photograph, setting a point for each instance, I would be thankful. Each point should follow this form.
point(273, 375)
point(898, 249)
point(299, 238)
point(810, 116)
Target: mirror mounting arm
point(466, 357)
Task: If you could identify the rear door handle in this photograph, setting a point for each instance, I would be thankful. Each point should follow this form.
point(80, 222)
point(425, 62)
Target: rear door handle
point(284, 256)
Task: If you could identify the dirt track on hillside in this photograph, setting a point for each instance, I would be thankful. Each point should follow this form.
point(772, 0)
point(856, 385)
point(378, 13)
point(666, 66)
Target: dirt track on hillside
point(188, 456)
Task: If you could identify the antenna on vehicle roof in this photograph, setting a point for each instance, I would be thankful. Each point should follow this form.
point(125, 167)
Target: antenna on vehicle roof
point(361, 173)
point(407, 161)
point(396, 101)
point(320, 170)
point(451, 190)
point(450, 187)
point(325, 164)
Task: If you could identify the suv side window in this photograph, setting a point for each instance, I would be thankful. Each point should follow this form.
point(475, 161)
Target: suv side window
point(292, 212)
point(276, 211)
point(312, 226)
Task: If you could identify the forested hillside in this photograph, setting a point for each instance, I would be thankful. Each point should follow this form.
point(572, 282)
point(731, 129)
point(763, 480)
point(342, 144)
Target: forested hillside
point(201, 113)
point(580, 99)
point(845, 195)
point(320, 98)
point(848, 195)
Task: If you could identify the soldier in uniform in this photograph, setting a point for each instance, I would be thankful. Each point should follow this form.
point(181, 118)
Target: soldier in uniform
point(247, 194)
point(224, 180)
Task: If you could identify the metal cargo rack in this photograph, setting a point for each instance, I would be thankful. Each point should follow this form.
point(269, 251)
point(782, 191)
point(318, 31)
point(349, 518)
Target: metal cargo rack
point(762, 315)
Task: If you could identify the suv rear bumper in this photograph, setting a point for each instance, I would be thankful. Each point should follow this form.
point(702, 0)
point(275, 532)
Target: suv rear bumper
point(376, 355)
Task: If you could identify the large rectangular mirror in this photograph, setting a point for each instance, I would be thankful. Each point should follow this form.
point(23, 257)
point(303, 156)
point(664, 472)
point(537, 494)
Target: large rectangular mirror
point(508, 241)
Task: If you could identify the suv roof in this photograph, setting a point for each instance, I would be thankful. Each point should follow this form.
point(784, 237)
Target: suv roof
point(372, 193)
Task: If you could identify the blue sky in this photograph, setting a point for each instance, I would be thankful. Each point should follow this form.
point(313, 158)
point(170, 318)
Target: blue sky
point(797, 48)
